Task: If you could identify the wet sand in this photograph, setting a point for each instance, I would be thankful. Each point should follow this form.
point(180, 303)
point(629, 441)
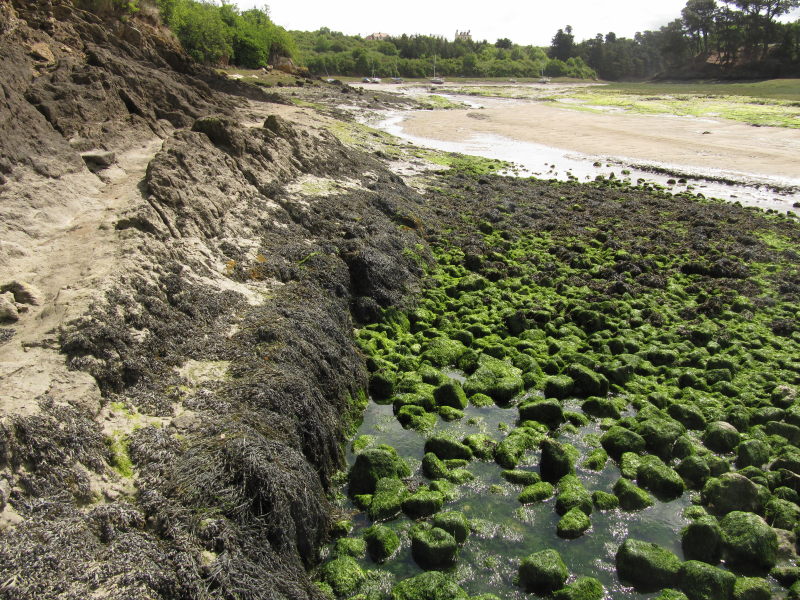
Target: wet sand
point(682, 141)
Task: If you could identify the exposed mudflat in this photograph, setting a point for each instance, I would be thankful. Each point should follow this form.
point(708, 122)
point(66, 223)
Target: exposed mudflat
point(687, 142)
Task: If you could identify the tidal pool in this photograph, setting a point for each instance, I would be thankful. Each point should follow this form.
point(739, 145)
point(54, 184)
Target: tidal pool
point(505, 531)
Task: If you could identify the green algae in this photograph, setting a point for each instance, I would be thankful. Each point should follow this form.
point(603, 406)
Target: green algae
point(642, 377)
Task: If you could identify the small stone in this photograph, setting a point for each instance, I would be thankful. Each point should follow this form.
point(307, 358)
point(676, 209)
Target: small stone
point(41, 52)
point(8, 310)
point(98, 159)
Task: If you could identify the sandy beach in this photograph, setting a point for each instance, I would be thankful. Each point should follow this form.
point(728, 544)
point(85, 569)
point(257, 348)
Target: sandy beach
point(683, 141)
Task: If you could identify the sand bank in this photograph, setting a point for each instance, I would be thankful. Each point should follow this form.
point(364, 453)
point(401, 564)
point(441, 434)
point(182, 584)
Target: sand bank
point(684, 141)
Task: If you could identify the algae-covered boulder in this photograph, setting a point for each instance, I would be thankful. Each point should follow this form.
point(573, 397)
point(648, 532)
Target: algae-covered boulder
point(433, 548)
point(601, 407)
point(387, 499)
point(431, 585)
point(416, 417)
point(558, 386)
point(451, 394)
point(660, 435)
point(587, 381)
point(382, 542)
point(448, 413)
point(543, 572)
point(442, 351)
point(670, 594)
point(454, 523)
point(732, 492)
point(572, 494)
point(583, 588)
point(423, 504)
point(480, 400)
point(573, 524)
point(748, 541)
point(509, 451)
point(618, 440)
point(702, 540)
point(544, 411)
point(482, 445)
point(521, 477)
point(596, 460)
point(663, 481)
point(343, 574)
point(381, 384)
point(701, 581)
point(446, 447)
point(557, 460)
point(690, 416)
point(372, 465)
point(536, 492)
point(720, 436)
point(355, 547)
point(782, 514)
point(631, 496)
point(694, 471)
point(433, 467)
point(496, 378)
point(751, 588)
point(752, 453)
point(647, 566)
point(629, 464)
point(604, 501)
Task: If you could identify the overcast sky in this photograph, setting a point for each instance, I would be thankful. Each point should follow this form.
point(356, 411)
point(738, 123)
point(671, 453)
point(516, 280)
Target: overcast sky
point(524, 21)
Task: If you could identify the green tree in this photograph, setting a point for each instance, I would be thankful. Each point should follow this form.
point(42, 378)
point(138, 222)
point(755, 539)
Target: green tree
point(562, 46)
point(698, 19)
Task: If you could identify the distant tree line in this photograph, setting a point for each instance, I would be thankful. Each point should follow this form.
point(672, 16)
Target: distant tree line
point(221, 34)
point(334, 53)
point(736, 38)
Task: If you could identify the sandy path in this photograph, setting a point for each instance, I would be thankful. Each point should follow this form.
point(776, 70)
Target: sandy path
point(68, 248)
point(679, 141)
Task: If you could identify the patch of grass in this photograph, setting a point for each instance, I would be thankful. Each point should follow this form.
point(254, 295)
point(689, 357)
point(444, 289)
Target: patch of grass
point(474, 165)
point(120, 458)
point(437, 102)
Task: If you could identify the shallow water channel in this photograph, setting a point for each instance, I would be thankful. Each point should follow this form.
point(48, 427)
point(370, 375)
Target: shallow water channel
point(505, 531)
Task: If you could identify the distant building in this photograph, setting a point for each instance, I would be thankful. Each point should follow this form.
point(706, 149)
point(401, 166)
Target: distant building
point(378, 36)
point(465, 36)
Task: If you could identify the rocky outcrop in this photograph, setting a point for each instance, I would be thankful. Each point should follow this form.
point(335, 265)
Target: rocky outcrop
point(220, 335)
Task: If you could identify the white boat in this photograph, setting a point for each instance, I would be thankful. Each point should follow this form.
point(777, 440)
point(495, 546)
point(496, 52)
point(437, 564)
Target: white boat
point(435, 79)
